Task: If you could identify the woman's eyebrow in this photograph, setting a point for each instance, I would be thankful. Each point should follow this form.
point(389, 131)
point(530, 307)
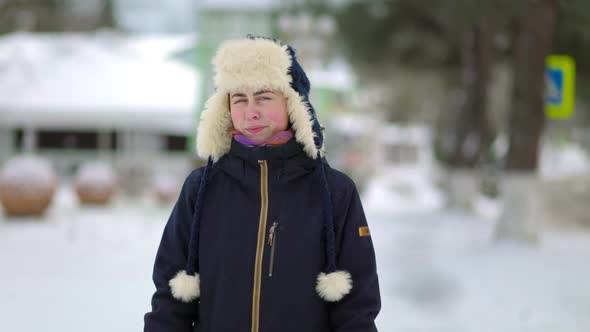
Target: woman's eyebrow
point(238, 95)
point(262, 92)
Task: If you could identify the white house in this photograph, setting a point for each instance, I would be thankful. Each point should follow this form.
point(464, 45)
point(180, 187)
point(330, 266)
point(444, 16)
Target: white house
point(74, 97)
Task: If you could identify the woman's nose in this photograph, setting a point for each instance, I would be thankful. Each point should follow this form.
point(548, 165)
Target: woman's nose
point(252, 113)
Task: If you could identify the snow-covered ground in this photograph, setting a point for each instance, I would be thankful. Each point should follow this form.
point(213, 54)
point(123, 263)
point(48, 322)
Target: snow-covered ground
point(80, 268)
point(90, 269)
point(443, 272)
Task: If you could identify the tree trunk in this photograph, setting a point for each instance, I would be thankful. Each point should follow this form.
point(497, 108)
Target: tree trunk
point(471, 129)
point(527, 119)
point(107, 15)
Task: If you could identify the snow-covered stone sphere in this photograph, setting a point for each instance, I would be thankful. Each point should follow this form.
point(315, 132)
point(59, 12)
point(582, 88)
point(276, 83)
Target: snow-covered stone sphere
point(27, 185)
point(166, 188)
point(95, 183)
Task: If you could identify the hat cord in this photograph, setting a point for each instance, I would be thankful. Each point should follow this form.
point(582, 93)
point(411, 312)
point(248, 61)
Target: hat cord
point(192, 261)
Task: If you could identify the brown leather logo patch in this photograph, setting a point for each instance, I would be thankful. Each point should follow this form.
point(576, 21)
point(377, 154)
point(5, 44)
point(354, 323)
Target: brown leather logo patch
point(364, 231)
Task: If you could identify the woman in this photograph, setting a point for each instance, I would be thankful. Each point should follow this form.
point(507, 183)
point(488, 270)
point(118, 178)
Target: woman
point(266, 237)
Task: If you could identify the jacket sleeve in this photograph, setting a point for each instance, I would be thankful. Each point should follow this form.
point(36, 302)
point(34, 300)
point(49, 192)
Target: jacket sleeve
point(356, 312)
point(168, 313)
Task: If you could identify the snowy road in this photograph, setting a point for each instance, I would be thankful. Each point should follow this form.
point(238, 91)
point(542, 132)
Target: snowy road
point(89, 270)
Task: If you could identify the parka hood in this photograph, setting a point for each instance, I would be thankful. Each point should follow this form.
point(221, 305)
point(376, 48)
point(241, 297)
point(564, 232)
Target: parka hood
point(258, 64)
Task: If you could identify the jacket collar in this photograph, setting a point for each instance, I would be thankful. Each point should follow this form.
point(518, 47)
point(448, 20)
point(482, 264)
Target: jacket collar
point(287, 161)
point(265, 152)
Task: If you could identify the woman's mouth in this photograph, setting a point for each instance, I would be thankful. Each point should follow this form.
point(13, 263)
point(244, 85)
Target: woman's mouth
point(255, 130)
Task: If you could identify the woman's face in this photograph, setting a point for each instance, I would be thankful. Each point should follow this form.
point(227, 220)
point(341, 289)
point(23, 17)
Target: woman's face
point(259, 115)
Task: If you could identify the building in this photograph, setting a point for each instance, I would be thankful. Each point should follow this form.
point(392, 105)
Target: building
point(76, 97)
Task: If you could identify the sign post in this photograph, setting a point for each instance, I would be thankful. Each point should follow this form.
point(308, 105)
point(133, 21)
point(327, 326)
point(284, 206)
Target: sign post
point(560, 83)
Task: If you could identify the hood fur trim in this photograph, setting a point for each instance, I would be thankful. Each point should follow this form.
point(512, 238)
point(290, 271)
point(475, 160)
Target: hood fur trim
point(257, 64)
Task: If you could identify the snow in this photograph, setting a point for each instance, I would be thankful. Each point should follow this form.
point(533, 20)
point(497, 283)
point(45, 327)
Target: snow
point(28, 172)
point(486, 207)
point(563, 161)
point(79, 266)
point(442, 272)
point(165, 186)
point(439, 271)
point(103, 79)
point(97, 177)
point(94, 173)
point(402, 190)
point(406, 172)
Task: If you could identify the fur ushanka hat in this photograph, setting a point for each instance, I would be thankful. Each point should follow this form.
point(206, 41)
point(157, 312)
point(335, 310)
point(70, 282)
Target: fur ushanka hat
point(260, 64)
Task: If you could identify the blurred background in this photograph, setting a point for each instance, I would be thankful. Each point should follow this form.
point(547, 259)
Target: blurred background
point(465, 125)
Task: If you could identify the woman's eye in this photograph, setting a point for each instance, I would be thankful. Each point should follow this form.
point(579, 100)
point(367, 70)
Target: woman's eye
point(239, 101)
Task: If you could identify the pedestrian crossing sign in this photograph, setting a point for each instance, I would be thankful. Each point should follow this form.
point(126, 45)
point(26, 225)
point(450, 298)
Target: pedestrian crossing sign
point(560, 86)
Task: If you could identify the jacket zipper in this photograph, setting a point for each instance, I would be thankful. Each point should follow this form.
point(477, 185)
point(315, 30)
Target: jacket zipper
point(260, 245)
point(272, 240)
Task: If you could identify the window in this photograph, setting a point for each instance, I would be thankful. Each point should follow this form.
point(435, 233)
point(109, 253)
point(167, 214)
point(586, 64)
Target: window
point(64, 139)
point(175, 143)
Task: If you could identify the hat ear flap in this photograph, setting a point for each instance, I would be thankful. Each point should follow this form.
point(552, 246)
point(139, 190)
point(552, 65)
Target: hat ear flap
point(300, 82)
point(213, 138)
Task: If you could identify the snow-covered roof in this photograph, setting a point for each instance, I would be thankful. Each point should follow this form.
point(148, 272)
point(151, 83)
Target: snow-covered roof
point(96, 80)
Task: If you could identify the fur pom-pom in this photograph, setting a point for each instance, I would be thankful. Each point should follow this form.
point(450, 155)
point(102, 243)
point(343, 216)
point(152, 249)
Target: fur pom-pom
point(333, 286)
point(184, 287)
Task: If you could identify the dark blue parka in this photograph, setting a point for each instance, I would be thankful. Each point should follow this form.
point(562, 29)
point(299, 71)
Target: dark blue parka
point(228, 247)
point(264, 239)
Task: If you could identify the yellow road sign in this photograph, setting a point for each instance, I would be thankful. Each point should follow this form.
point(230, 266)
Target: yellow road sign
point(560, 84)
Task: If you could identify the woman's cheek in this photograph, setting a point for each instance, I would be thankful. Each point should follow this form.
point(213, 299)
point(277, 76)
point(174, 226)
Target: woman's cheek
point(236, 116)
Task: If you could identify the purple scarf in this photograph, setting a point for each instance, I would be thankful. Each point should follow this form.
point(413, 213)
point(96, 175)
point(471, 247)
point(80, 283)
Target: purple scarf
point(280, 138)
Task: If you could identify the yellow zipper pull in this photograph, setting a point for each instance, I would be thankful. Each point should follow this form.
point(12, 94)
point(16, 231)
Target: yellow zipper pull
point(271, 234)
